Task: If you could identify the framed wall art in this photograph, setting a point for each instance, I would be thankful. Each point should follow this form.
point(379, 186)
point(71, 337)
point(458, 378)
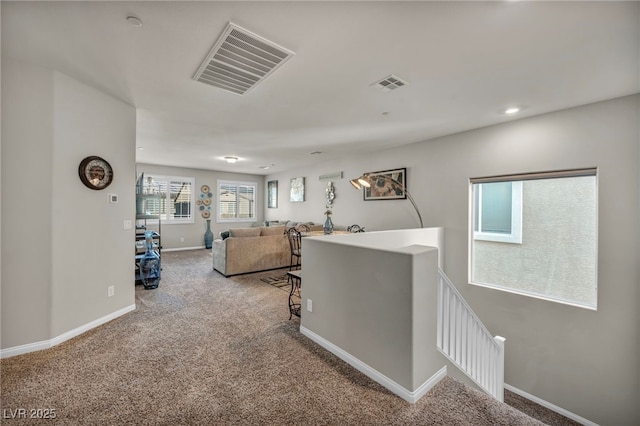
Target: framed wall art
point(272, 194)
point(387, 185)
point(297, 190)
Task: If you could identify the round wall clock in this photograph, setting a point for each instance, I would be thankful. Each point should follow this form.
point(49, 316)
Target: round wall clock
point(95, 172)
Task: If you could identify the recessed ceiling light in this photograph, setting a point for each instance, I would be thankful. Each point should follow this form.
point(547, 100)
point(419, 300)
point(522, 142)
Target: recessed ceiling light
point(511, 110)
point(135, 21)
point(264, 167)
point(230, 160)
point(315, 153)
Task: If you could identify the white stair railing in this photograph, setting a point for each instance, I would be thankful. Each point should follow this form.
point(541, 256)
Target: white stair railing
point(464, 339)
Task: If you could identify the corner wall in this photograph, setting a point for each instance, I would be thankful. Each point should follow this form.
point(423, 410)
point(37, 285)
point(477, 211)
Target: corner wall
point(27, 146)
point(63, 244)
point(364, 301)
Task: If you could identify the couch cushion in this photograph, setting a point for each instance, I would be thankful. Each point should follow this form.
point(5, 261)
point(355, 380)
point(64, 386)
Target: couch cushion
point(272, 230)
point(244, 232)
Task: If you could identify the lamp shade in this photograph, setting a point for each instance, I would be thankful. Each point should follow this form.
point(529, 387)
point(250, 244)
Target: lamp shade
point(365, 181)
point(362, 181)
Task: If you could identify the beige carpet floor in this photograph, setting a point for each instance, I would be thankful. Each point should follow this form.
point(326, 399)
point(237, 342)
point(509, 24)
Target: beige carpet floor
point(202, 349)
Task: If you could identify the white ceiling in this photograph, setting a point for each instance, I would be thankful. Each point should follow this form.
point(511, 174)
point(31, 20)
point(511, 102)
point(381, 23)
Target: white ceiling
point(464, 61)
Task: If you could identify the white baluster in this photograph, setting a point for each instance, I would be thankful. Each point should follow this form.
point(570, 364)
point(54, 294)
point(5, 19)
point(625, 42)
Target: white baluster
point(452, 323)
point(439, 314)
point(474, 351)
point(500, 368)
point(463, 338)
point(458, 330)
point(445, 321)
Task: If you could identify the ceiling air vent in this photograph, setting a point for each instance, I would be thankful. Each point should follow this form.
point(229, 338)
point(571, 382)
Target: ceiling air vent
point(390, 82)
point(240, 60)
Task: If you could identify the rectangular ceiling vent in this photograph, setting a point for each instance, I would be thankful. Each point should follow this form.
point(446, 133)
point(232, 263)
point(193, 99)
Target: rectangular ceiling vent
point(240, 60)
point(390, 82)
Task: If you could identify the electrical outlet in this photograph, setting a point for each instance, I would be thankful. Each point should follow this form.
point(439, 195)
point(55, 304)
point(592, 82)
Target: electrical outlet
point(309, 305)
point(127, 224)
point(111, 290)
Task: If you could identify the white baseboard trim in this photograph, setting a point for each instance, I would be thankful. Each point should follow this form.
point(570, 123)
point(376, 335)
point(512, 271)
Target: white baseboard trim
point(550, 406)
point(184, 248)
point(409, 396)
point(46, 344)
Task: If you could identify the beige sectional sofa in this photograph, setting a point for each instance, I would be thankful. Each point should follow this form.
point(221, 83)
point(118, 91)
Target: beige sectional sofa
point(255, 249)
point(251, 250)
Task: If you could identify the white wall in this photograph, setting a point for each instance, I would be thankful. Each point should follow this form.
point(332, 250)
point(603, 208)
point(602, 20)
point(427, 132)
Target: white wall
point(88, 122)
point(63, 244)
point(349, 207)
point(193, 233)
point(583, 361)
point(27, 146)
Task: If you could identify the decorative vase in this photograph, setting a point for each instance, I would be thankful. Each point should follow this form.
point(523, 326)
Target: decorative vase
point(208, 235)
point(150, 263)
point(328, 226)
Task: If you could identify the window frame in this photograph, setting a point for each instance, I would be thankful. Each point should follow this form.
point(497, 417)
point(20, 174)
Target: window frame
point(164, 217)
point(236, 219)
point(515, 237)
point(572, 173)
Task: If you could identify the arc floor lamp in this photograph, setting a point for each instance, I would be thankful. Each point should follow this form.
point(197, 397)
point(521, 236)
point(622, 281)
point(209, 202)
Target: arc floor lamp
point(366, 180)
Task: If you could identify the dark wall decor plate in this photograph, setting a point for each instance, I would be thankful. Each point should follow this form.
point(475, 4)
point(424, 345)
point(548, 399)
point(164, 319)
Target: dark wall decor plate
point(95, 172)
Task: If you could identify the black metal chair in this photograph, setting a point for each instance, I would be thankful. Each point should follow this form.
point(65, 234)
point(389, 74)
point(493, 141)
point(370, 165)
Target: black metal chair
point(355, 228)
point(295, 244)
point(295, 297)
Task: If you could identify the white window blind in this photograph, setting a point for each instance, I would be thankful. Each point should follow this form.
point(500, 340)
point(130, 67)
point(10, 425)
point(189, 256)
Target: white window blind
point(236, 201)
point(174, 202)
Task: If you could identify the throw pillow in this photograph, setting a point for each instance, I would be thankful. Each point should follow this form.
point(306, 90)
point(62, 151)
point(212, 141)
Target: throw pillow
point(272, 230)
point(224, 234)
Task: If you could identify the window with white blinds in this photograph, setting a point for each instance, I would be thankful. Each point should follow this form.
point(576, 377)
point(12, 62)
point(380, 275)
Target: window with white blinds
point(175, 202)
point(236, 201)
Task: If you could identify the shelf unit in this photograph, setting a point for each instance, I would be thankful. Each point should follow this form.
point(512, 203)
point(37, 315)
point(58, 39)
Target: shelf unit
point(140, 247)
point(147, 201)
